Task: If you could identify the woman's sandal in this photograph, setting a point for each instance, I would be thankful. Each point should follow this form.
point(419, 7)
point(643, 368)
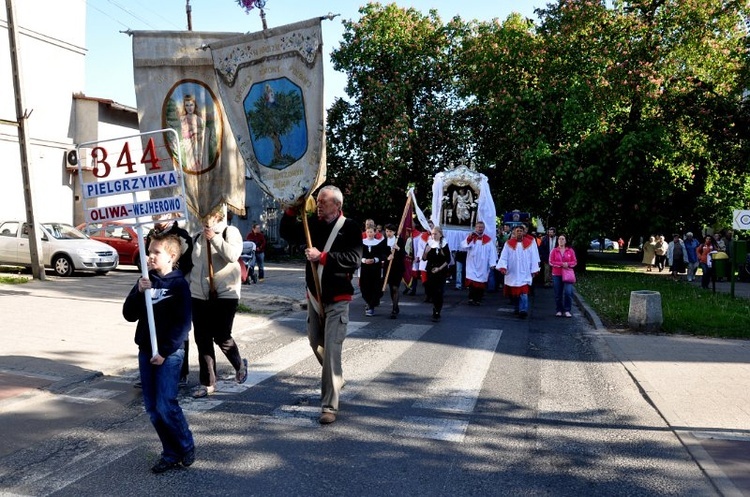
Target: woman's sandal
point(203, 391)
point(241, 375)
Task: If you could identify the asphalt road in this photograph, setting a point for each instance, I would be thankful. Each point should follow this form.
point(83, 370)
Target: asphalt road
point(482, 403)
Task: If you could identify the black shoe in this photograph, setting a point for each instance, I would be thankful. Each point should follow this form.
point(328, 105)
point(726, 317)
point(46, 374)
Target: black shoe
point(138, 384)
point(162, 465)
point(523, 314)
point(183, 381)
point(406, 291)
point(435, 316)
point(188, 457)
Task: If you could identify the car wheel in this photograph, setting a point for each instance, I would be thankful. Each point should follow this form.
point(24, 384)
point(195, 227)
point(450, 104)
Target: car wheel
point(62, 265)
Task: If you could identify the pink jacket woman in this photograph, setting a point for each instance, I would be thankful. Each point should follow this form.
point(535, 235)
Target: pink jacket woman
point(556, 259)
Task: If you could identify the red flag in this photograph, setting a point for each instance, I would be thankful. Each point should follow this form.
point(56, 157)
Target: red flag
point(406, 235)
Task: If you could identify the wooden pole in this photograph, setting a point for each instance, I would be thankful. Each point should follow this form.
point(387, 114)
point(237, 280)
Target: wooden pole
point(35, 240)
point(313, 265)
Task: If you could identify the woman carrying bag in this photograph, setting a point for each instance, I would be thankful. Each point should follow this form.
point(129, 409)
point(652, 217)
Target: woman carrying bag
point(562, 260)
point(215, 290)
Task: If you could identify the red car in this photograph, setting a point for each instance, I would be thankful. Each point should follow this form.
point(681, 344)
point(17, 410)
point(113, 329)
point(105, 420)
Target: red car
point(122, 237)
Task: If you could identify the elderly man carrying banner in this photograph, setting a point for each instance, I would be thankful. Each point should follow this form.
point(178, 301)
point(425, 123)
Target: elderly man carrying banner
point(335, 253)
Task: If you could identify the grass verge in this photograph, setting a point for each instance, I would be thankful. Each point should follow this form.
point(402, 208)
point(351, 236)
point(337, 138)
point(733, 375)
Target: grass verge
point(686, 307)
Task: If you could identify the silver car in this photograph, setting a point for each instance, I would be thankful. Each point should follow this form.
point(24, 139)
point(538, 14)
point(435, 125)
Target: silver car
point(64, 249)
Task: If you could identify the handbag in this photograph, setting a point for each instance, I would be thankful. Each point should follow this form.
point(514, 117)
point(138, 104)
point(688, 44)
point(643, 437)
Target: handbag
point(568, 275)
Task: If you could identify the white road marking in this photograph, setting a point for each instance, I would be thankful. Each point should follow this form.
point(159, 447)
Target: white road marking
point(455, 389)
point(83, 395)
point(450, 430)
point(388, 350)
point(78, 467)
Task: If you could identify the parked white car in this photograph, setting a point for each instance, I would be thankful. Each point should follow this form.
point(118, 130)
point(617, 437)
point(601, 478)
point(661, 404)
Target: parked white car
point(64, 249)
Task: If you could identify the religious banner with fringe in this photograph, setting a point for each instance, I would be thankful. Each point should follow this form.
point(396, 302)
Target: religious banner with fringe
point(175, 87)
point(271, 83)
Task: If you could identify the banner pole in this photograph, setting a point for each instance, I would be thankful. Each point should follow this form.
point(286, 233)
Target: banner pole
point(313, 265)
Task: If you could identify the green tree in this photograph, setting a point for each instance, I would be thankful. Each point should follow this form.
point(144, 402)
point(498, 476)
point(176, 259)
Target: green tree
point(398, 127)
point(274, 121)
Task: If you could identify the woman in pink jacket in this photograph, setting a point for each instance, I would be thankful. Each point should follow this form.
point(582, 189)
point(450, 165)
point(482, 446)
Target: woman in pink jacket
point(562, 258)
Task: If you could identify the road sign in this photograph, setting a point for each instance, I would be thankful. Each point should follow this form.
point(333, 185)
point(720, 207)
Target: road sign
point(741, 220)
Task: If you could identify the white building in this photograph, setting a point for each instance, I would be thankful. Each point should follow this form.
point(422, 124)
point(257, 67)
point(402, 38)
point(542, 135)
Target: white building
point(52, 59)
point(52, 53)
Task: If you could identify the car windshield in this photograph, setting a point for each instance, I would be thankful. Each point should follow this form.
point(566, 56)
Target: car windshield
point(62, 231)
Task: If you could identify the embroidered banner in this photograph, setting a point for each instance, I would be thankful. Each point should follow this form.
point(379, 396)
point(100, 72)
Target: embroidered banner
point(271, 83)
point(175, 87)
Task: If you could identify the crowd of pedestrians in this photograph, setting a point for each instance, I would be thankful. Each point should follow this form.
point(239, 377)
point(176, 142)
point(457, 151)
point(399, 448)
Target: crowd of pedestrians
point(196, 281)
point(687, 255)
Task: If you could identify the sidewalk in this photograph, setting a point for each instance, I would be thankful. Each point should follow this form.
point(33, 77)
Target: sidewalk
point(700, 386)
point(63, 331)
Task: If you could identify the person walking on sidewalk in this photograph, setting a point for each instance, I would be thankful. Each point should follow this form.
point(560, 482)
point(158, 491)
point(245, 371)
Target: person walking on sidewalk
point(660, 249)
point(335, 255)
point(549, 242)
point(561, 259)
point(259, 239)
point(691, 244)
point(215, 285)
point(677, 256)
point(649, 253)
point(704, 251)
point(160, 371)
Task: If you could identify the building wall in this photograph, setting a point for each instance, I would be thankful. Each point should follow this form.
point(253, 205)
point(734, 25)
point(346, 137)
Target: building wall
point(52, 56)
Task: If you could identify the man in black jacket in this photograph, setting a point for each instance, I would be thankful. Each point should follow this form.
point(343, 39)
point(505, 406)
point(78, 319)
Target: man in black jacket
point(335, 255)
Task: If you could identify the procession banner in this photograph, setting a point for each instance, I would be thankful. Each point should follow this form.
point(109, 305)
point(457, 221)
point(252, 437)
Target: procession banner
point(175, 87)
point(271, 83)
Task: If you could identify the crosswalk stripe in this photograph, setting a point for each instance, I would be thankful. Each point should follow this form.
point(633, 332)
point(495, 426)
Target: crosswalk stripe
point(83, 395)
point(389, 349)
point(260, 370)
point(48, 482)
point(456, 386)
point(454, 389)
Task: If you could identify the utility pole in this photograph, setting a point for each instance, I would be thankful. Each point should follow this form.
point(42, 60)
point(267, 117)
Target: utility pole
point(189, 12)
point(35, 242)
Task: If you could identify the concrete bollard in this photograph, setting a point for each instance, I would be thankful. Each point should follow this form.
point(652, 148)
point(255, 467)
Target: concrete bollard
point(645, 311)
